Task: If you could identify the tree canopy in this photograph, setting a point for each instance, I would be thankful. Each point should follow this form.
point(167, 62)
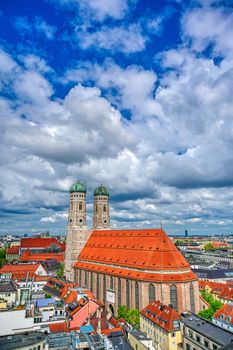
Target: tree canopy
point(129, 315)
point(214, 303)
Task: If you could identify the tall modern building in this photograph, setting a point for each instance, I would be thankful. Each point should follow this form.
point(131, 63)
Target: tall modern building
point(125, 267)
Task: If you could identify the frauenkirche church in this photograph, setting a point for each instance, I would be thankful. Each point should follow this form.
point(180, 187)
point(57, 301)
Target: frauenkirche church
point(125, 267)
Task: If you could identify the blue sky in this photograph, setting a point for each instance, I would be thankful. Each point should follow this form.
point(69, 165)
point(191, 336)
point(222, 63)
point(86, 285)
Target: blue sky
point(133, 94)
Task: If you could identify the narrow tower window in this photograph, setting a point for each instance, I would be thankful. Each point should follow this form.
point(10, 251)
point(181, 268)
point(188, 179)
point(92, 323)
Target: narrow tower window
point(80, 206)
point(104, 209)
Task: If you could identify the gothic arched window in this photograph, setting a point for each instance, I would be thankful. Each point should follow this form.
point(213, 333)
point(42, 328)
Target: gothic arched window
point(104, 288)
point(173, 297)
point(85, 278)
point(80, 207)
point(119, 292)
point(151, 293)
point(111, 283)
point(127, 294)
point(91, 282)
point(80, 278)
point(96, 208)
point(97, 286)
point(136, 295)
point(192, 300)
point(104, 209)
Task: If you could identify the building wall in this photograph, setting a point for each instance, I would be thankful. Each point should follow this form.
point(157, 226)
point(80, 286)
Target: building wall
point(9, 297)
point(193, 340)
point(162, 340)
point(140, 344)
point(162, 291)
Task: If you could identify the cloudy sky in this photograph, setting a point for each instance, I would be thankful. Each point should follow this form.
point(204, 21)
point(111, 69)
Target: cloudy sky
point(133, 94)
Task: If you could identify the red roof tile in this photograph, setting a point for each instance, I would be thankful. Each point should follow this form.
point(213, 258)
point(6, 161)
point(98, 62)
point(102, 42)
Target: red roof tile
point(40, 242)
point(138, 275)
point(149, 248)
point(19, 268)
point(225, 312)
point(28, 256)
point(13, 250)
point(59, 327)
point(162, 315)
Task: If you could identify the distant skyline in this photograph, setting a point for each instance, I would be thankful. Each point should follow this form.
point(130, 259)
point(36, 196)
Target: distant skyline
point(132, 94)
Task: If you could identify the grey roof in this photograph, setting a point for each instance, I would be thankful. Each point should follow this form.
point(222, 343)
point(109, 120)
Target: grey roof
point(207, 329)
point(213, 274)
point(18, 341)
point(139, 335)
point(7, 287)
point(228, 346)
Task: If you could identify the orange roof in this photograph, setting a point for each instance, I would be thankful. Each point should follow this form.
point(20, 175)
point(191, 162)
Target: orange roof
point(28, 256)
point(59, 327)
point(111, 330)
point(226, 293)
point(224, 312)
point(138, 275)
point(13, 250)
point(36, 242)
point(163, 315)
point(215, 287)
point(220, 244)
point(140, 249)
point(71, 297)
point(8, 268)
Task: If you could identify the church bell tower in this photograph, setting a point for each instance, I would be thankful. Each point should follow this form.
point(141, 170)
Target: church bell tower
point(77, 233)
point(101, 218)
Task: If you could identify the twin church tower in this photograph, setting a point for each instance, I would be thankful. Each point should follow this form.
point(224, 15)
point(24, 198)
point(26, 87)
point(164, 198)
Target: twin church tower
point(77, 232)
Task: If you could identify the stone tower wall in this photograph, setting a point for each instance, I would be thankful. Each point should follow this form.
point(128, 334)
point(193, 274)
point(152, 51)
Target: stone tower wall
point(101, 217)
point(77, 233)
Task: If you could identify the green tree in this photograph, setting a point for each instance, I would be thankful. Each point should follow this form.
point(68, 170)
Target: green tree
point(214, 303)
point(208, 247)
point(129, 315)
point(2, 257)
point(207, 313)
point(60, 272)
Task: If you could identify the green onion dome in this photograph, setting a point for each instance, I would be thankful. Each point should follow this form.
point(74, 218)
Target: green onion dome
point(78, 187)
point(101, 191)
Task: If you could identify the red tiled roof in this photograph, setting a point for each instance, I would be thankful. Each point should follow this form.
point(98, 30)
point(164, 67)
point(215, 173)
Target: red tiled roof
point(40, 242)
point(111, 330)
point(138, 275)
point(13, 250)
point(59, 327)
point(162, 315)
point(226, 293)
point(225, 311)
point(220, 244)
point(19, 268)
point(71, 297)
point(215, 287)
point(28, 256)
point(149, 248)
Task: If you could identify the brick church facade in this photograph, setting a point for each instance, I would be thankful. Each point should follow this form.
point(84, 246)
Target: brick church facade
point(125, 267)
